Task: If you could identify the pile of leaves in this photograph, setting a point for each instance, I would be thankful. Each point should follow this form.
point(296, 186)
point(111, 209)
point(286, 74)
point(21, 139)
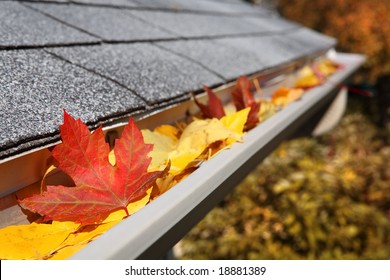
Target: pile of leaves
point(109, 185)
point(325, 198)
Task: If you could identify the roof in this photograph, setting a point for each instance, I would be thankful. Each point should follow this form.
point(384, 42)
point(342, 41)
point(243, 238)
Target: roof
point(103, 60)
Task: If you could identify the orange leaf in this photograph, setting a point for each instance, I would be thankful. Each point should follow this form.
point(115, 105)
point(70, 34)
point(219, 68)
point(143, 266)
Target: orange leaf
point(285, 95)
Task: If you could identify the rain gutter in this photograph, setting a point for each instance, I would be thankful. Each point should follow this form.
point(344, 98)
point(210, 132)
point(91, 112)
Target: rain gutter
point(152, 231)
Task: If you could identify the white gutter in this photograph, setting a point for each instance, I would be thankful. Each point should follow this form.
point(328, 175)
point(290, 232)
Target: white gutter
point(154, 229)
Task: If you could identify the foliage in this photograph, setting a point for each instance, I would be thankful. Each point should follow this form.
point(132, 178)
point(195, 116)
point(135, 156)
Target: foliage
point(108, 186)
point(100, 187)
point(360, 26)
point(326, 198)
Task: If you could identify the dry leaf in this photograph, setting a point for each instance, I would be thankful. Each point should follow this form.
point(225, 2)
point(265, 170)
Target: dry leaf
point(214, 107)
point(100, 187)
point(307, 79)
point(284, 96)
point(33, 241)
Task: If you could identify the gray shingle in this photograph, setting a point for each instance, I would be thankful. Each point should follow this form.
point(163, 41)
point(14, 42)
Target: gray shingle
point(36, 87)
point(155, 74)
point(306, 39)
point(232, 57)
point(271, 24)
point(226, 60)
point(202, 6)
point(107, 23)
point(21, 26)
point(101, 83)
point(201, 25)
point(119, 3)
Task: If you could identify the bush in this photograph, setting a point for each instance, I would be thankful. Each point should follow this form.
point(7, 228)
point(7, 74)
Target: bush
point(326, 198)
point(360, 26)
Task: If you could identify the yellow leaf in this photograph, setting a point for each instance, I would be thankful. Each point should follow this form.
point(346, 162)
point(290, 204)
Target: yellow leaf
point(162, 146)
point(165, 183)
point(307, 78)
point(236, 121)
point(33, 241)
point(50, 169)
point(168, 130)
point(195, 138)
point(66, 252)
point(267, 110)
point(327, 67)
point(80, 239)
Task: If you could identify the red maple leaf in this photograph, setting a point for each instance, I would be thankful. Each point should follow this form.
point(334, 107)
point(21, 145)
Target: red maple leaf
point(242, 98)
point(214, 108)
point(99, 187)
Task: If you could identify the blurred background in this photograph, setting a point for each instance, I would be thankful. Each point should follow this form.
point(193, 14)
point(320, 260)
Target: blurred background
point(318, 198)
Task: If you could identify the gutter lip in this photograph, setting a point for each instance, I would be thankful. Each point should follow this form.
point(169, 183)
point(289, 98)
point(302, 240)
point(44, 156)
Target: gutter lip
point(136, 234)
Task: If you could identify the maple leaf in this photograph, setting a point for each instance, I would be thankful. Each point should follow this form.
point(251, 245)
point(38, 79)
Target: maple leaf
point(242, 98)
point(100, 187)
point(214, 108)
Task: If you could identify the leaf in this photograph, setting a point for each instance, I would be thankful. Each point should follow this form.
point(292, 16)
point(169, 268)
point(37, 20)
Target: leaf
point(214, 108)
point(307, 78)
point(162, 146)
point(284, 96)
point(325, 68)
point(168, 130)
point(100, 186)
point(58, 240)
point(241, 94)
point(77, 240)
point(236, 121)
point(197, 136)
point(132, 207)
point(242, 98)
point(67, 251)
point(33, 241)
point(194, 140)
point(267, 110)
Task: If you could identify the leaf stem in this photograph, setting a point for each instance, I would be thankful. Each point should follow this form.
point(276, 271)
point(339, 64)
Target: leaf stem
point(127, 211)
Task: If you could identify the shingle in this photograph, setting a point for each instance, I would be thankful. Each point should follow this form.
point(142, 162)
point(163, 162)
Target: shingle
point(20, 26)
point(202, 25)
point(226, 60)
point(269, 50)
point(155, 74)
point(309, 40)
point(232, 57)
point(36, 87)
point(107, 23)
point(55, 1)
point(271, 24)
point(119, 3)
point(202, 6)
point(104, 82)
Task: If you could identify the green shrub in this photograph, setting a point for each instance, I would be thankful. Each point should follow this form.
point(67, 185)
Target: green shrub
point(325, 198)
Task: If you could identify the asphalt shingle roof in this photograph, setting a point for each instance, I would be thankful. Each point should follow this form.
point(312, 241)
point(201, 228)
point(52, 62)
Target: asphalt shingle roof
point(102, 60)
